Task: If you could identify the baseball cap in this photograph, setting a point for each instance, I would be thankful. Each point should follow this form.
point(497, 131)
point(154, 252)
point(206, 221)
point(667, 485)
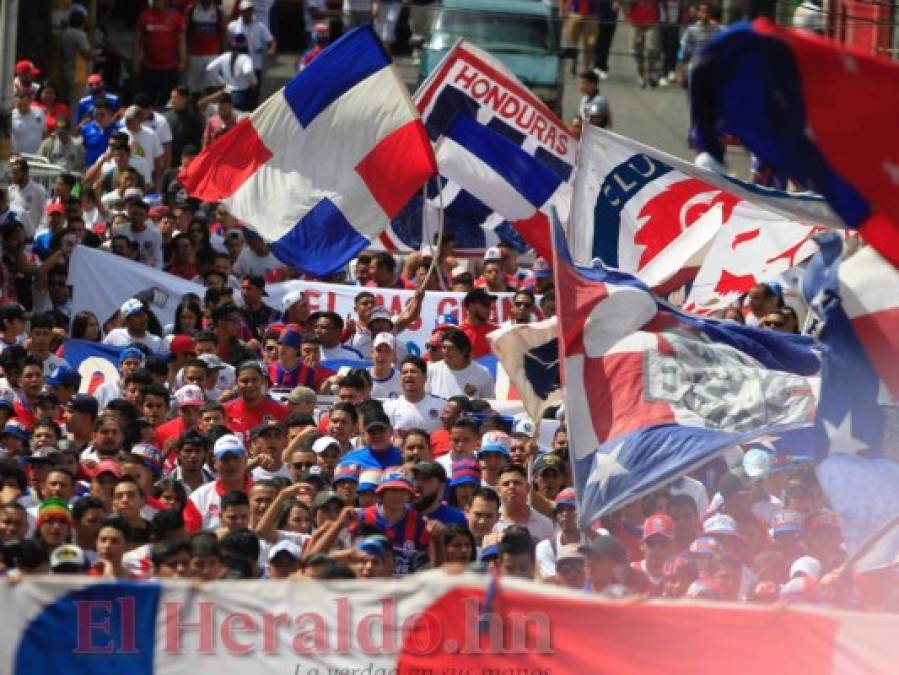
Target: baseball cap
point(428, 468)
point(150, 456)
point(569, 552)
point(7, 399)
point(496, 441)
point(47, 455)
point(190, 394)
point(547, 461)
point(212, 361)
point(134, 194)
point(493, 253)
point(83, 403)
point(55, 207)
point(524, 426)
point(133, 111)
point(291, 338)
point(605, 545)
point(369, 479)
point(16, 428)
point(658, 523)
point(300, 395)
point(394, 477)
point(107, 466)
point(379, 312)
point(67, 559)
point(267, 425)
point(131, 307)
point(447, 319)
point(159, 211)
point(324, 498)
point(785, 521)
point(285, 546)
point(256, 280)
point(95, 80)
point(384, 339)
point(292, 298)
point(229, 444)
point(183, 344)
point(465, 471)
point(807, 565)
point(566, 497)
point(720, 524)
point(26, 66)
point(478, 296)
point(315, 473)
point(344, 472)
point(63, 376)
point(541, 268)
point(378, 420)
point(374, 546)
point(131, 353)
point(323, 443)
point(705, 546)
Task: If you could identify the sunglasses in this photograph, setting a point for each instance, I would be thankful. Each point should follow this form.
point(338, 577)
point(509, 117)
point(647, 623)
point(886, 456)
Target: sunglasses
point(524, 304)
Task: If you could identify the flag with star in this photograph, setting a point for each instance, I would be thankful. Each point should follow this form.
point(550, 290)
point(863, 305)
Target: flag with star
point(794, 100)
point(856, 302)
point(652, 392)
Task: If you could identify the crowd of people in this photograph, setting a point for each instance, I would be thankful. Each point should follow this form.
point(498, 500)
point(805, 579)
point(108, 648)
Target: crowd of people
point(190, 466)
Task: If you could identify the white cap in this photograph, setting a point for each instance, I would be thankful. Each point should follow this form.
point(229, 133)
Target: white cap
point(323, 444)
point(806, 565)
point(493, 253)
point(384, 339)
point(212, 361)
point(291, 298)
point(247, 4)
point(133, 192)
point(757, 462)
point(67, 554)
point(379, 312)
point(131, 307)
point(524, 426)
point(720, 523)
point(190, 394)
point(285, 546)
point(229, 443)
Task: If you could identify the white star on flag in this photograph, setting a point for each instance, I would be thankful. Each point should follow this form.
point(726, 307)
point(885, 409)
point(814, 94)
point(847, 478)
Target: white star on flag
point(841, 439)
point(605, 466)
point(891, 169)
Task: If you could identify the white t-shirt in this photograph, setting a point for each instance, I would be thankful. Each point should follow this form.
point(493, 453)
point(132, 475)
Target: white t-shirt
point(389, 387)
point(538, 525)
point(260, 473)
point(546, 555)
point(149, 241)
point(160, 126)
point(120, 337)
point(145, 143)
point(474, 381)
point(239, 78)
point(405, 415)
point(339, 353)
point(29, 203)
point(250, 263)
point(106, 392)
point(27, 130)
point(258, 39)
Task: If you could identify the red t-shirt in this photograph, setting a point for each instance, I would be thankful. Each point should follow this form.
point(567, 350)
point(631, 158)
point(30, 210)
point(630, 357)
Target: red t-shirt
point(168, 430)
point(239, 417)
point(161, 31)
point(644, 13)
point(440, 443)
point(477, 335)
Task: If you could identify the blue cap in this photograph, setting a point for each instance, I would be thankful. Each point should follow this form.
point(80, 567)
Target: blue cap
point(490, 551)
point(16, 428)
point(63, 376)
point(374, 546)
point(131, 353)
point(291, 338)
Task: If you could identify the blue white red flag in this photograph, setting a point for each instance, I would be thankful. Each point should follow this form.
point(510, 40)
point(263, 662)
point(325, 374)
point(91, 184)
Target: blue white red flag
point(651, 392)
point(654, 215)
point(95, 362)
point(529, 353)
point(471, 82)
point(324, 164)
point(856, 301)
point(504, 177)
point(812, 109)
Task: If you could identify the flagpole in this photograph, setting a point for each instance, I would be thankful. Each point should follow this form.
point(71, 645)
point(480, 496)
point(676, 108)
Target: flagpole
point(439, 242)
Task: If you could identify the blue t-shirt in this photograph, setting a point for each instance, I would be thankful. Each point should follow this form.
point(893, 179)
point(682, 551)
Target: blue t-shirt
point(448, 515)
point(95, 140)
point(369, 459)
point(86, 106)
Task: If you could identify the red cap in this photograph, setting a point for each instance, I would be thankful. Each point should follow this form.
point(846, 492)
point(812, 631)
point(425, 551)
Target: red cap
point(95, 80)
point(55, 207)
point(26, 66)
point(108, 466)
point(159, 212)
point(183, 344)
point(658, 523)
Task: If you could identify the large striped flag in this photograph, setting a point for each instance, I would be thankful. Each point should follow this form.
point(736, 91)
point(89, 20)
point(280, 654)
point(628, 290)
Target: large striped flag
point(324, 164)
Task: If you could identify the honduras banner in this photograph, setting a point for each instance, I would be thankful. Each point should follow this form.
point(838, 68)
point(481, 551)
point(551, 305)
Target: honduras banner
point(471, 81)
point(95, 362)
point(651, 214)
point(102, 281)
point(418, 624)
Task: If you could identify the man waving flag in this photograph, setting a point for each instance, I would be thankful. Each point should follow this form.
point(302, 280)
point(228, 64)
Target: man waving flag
point(324, 164)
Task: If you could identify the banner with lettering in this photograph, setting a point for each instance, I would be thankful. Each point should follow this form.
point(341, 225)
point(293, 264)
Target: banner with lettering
point(430, 623)
point(471, 81)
